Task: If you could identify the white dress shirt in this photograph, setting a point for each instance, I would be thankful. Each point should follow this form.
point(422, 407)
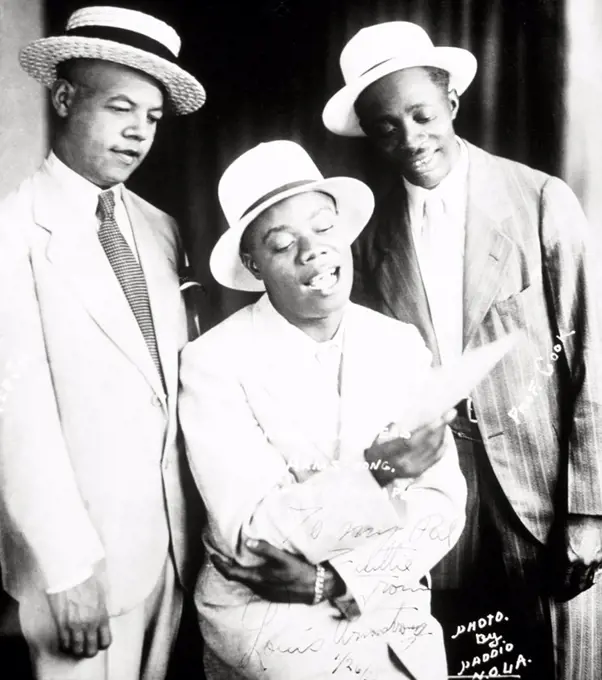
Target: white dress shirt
point(323, 361)
point(438, 224)
point(83, 199)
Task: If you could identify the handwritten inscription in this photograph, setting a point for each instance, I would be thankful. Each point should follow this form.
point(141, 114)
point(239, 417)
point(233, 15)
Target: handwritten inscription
point(496, 649)
point(533, 389)
point(319, 465)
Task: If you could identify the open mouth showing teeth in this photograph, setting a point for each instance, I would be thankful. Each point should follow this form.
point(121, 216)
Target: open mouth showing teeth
point(324, 281)
point(422, 162)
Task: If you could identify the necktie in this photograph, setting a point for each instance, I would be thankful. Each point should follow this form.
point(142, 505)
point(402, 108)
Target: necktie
point(441, 266)
point(128, 272)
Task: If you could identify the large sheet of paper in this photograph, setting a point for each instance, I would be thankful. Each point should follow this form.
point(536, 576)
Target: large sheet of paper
point(446, 385)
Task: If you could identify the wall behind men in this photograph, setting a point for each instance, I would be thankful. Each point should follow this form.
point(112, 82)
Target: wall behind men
point(22, 104)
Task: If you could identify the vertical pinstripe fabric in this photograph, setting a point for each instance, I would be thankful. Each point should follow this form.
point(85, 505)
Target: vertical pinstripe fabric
point(128, 272)
point(527, 266)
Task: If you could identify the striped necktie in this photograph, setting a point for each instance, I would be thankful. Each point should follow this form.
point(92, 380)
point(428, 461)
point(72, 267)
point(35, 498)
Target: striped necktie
point(128, 272)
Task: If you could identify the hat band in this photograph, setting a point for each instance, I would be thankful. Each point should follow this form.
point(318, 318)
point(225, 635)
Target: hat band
point(275, 192)
point(125, 37)
point(380, 63)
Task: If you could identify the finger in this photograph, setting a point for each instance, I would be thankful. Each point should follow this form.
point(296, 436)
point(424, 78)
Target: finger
point(64, 640)
point(76, 645)
point(266, 550)
point(91, 642)
point(222, 564)
point(234, 572)
point(104, 636)
point(450, 416)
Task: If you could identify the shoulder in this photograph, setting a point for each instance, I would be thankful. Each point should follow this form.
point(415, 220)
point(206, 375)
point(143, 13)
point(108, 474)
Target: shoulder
point(16, 217)
point(164, 226)
point(511, 171)
point(225, 343)
point(19, 199)
point(159, 218)
point(146, 207)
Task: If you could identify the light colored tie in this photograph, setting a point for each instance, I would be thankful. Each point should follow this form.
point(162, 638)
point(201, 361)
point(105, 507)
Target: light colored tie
point(128, 272)
point(441, 264)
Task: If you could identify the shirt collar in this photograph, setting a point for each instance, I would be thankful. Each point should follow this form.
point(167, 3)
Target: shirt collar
point(293, 337)
point(452, 190)
point(83, 194)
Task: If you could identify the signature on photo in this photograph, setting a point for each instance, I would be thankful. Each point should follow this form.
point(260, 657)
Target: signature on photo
point(534, 389)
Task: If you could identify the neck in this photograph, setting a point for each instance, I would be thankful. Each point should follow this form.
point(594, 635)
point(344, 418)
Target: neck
point(319, 329)
point(63, 152)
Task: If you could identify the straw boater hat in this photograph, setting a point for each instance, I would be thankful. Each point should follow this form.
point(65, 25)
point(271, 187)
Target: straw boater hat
point(262, 177)
point(124, 36)
point(375, 52)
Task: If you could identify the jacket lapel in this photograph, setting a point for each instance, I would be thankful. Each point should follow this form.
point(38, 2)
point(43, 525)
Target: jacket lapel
point(162, 283)
point(488, 247)
point(81, 261)
point(399, 278)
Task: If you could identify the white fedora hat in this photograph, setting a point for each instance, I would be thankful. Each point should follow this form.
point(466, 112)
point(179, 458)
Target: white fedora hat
point(260, 178)
point(378, 50)
point(120, 35)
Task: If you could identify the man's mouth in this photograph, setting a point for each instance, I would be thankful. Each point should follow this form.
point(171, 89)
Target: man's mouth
point(423, 161)
point(127, 156)
point(325, 281)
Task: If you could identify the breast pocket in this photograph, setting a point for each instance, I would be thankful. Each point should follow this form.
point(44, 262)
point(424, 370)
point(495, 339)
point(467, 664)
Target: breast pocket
point(520, 305)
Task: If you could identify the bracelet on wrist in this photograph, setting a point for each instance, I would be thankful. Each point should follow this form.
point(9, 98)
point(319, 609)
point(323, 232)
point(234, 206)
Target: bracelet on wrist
point(319, 584)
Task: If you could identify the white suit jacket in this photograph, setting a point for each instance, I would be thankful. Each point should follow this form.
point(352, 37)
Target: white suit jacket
point(89, 462)
point(252, 412)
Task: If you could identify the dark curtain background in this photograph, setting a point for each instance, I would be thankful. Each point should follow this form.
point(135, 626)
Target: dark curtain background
point(270, 65)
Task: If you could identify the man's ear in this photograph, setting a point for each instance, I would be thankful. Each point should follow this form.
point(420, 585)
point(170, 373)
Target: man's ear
point(62, 95)
point(454, 103)
point(250, 264)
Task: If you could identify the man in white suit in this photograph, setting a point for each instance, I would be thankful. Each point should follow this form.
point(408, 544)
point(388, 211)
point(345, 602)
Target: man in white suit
point(281, 409)
point(93, 541)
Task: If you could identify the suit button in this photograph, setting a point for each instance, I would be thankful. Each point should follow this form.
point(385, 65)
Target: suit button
point(155, 401)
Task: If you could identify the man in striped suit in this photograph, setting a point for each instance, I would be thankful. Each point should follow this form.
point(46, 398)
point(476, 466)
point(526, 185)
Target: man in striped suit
point(468, 247)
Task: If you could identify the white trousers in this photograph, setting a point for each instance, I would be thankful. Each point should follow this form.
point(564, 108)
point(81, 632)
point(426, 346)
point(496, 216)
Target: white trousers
point(142, 638)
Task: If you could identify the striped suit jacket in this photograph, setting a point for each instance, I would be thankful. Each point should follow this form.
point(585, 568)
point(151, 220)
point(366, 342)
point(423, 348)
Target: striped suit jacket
point(526, 267)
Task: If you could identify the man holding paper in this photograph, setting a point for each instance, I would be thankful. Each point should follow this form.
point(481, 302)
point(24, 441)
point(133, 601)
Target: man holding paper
point(293, 416)
point(468, 247)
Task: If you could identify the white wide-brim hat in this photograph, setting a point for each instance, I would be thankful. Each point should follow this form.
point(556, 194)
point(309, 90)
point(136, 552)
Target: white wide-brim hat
point(264, 176)
point(123, 36)
point(382, 49)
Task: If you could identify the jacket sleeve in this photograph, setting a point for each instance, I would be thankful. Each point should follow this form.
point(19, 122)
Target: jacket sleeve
point(574, 290)
point(39, 498)
point(337, 515)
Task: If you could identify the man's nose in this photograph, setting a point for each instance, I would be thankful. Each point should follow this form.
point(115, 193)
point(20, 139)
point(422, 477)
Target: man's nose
point(140, 128)
point(410, 136)
point(311, 247)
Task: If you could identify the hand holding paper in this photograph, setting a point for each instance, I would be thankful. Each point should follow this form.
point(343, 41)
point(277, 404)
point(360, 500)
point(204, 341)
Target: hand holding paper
point(404, 457)
point(411, 445)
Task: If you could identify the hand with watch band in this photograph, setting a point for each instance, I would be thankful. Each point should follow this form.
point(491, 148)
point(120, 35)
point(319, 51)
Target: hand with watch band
point(283, 577)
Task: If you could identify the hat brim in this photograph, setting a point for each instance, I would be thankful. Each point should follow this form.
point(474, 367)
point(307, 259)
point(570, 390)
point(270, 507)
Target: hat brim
point(355, 204)
point(41, 57)
point(339, 113)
